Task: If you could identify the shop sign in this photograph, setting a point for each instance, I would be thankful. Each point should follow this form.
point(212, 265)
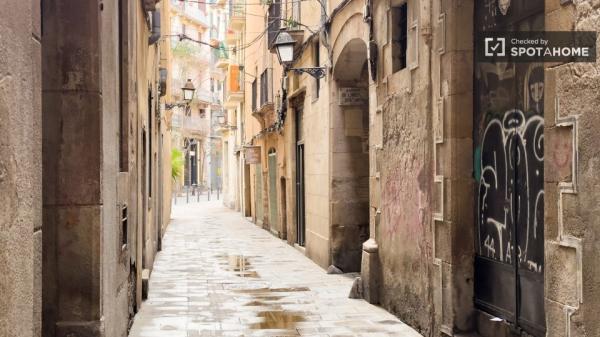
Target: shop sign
point(352, 96)
point(252, 154)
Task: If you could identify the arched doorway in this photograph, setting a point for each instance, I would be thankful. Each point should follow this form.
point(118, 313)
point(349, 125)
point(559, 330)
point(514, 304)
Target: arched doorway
point(350, 157)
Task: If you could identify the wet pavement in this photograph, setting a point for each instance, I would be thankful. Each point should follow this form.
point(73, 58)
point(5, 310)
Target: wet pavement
point(220, 275)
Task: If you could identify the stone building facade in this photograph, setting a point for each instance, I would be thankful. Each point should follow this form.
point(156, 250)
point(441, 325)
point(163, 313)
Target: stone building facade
point(84, 156)
point(20, 169)
point(261, 189)
point(400, 144)
point(443, 255)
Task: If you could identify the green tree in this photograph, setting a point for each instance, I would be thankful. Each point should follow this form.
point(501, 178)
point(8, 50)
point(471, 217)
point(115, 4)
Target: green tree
point(176, 163)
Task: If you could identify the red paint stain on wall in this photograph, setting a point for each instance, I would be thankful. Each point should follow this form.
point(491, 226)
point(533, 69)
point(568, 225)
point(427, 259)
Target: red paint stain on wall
point(404, 205)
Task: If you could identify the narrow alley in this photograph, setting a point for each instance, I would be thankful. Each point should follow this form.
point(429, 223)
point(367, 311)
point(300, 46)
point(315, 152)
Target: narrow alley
point(369, 168)
point(220, 275)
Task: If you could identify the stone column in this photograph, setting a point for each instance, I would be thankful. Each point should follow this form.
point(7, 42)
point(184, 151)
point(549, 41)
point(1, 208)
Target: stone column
point(72, 159)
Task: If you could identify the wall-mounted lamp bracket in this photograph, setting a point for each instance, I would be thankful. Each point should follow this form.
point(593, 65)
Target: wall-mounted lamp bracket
point(316, 72)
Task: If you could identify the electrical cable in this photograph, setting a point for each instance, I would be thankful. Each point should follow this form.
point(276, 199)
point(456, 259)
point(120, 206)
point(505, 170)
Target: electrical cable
point(265, 3)
point(228, 49)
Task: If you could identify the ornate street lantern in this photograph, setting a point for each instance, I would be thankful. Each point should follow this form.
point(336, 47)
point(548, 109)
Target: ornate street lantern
point(188, 91)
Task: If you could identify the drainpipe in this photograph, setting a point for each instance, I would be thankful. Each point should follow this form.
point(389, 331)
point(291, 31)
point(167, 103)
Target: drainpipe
point(155, 28)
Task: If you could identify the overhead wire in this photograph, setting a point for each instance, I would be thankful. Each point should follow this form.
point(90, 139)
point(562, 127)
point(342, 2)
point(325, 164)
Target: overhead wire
point(265, 3)
point(227, 49)
point(256, 38)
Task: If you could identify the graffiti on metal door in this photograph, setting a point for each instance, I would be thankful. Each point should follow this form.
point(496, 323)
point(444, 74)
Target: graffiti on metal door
point(509, 169)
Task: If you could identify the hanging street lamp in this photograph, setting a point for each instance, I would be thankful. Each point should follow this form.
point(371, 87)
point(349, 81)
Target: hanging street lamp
point(188, 91)
point(284, 46)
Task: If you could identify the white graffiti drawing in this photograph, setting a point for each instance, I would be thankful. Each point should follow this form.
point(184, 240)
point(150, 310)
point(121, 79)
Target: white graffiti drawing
point(511, 194)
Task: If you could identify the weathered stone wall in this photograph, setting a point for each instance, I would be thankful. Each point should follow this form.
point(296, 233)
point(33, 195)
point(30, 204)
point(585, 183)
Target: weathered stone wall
point(452, 203)
point(20, 169)
point(403, 168)
point(572, 154)
point(72, 153)
point(115, 260)
point(87, 286)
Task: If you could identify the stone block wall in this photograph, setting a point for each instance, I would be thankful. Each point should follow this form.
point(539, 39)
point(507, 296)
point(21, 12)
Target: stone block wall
point(20, 169)
point(572, 97)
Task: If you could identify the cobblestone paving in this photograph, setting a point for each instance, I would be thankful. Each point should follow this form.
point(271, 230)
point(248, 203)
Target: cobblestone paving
point(220, 275)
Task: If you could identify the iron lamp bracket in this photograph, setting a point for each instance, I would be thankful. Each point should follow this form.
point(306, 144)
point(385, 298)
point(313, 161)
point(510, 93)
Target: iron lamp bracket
point(316, 72)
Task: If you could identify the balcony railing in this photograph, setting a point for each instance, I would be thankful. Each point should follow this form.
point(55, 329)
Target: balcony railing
point(237, 10)
point(193, 124)
point(191, 12)
point(205, 96)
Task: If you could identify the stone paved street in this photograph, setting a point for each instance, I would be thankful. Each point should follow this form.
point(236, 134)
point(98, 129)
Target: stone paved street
point(220, 275)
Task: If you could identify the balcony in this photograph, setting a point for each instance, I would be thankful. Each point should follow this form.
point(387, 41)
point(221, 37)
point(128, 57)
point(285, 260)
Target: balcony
point(227, 126)
point(190, 12)
point(232, 36)
point(235, 87)
point(265, 101)
point(222, 62)
point(190, 125)
point(237, 15)
point(204, 96)
point(190, 52)
point(221, 56)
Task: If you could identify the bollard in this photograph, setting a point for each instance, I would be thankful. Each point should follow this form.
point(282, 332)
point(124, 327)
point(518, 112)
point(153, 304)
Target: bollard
point(198, 196)
point(218, 190)
point(187, 195)
point(208, 193)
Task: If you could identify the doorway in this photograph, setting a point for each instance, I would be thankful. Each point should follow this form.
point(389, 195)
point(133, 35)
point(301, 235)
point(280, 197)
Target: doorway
point(273, 223)
point(509, 175)
point(258, 194)
point(300, 208)
point(283, 204)
point(247, 193)
point(350, 157)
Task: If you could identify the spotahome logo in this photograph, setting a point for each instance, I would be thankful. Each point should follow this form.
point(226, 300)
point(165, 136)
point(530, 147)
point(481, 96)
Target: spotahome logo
point(536, 47)
point(495, 46)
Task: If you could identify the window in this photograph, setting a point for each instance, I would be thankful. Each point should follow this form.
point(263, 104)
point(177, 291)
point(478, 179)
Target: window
point(317, 59)
point(296, 11)
point(254, 89)
point(273, 22)
point(399, 36)
point(266, 87)
point(149, 158)
point(123, 90)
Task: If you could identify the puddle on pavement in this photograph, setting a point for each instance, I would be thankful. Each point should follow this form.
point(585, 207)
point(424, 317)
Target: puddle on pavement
point(277, 320)
point(240, 265)
point(264, 297)
point(288, 290)
point(265, 291)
